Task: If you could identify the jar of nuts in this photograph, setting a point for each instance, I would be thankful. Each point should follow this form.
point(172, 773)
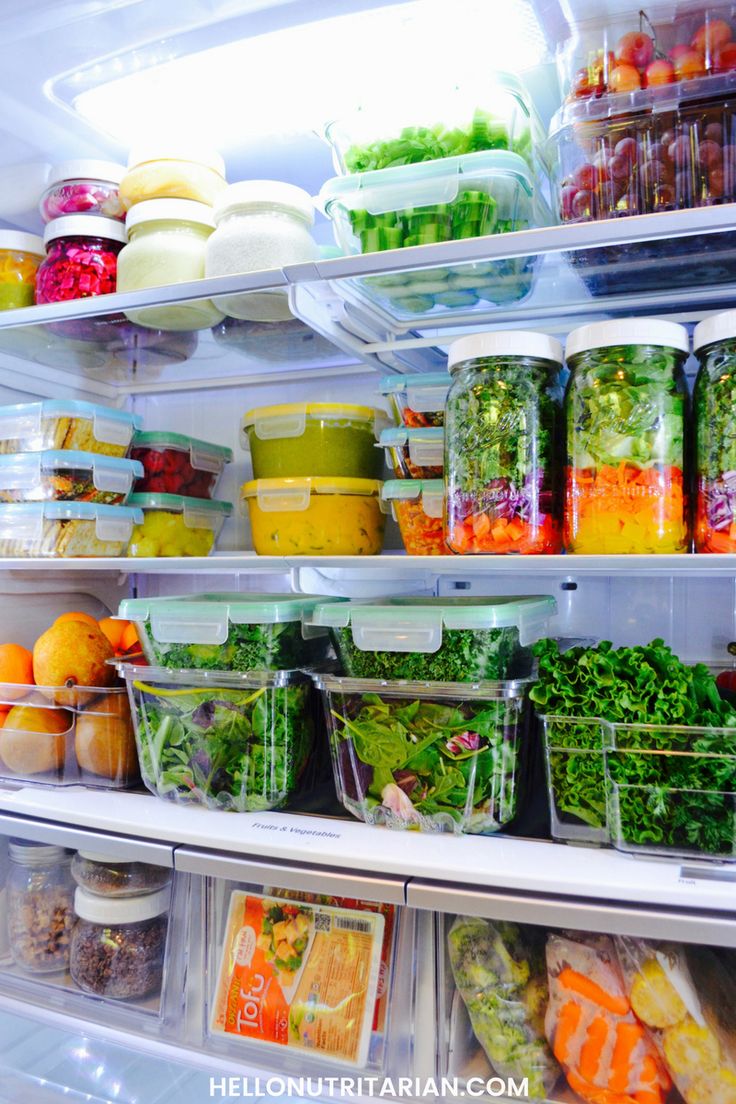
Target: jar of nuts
point(40, 906)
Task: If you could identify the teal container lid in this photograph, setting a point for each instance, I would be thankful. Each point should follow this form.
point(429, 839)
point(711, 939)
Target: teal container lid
point(417, 624)
point(418, 384)
point(68, 511)
point(205, 618)
point(430, 491)
point(179, 504)
point(155, 438)
point(402, 435)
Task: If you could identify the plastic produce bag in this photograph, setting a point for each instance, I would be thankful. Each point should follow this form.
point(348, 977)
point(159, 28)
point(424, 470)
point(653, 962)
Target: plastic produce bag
point(499, 972)
point(686, 1000)
point(605, 1051)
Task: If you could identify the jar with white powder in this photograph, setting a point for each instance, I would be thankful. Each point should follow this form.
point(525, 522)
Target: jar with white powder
point(261, 224)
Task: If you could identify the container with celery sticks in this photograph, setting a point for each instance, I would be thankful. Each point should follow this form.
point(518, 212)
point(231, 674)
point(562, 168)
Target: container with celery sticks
point(714, 342)
point(626, 407)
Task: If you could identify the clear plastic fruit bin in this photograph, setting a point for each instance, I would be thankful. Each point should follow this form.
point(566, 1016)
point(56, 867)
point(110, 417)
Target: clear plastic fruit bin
point(442, 639)
point(65, 475)
point(173, 525)
point(477, 195)
point(417, 400)
point(415, 453)
point(433, 757)
point(66, 424)
point(228, 632)
point(417, 506)
point(666, 799)
point(576, 778)
point(225, 740)
point(176, 464)
point(63, 735)
point(66, 529)
point(439, 121)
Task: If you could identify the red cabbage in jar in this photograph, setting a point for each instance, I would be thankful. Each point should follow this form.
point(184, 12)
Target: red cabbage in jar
point(81, 258)
point(83, 187)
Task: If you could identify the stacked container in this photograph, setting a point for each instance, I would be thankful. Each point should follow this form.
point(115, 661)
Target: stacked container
point(462, 167)
point(316, 487)
point(65, 479)
point(428, 722)
point(224, 716)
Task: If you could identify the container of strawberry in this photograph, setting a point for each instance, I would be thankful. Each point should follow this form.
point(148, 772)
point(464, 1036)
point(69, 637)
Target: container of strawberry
point(176, 464)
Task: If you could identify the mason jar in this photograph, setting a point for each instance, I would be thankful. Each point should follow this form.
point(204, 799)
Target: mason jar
point(714, 343)
point(502, 444)
point(40, 913)
point(626, 409)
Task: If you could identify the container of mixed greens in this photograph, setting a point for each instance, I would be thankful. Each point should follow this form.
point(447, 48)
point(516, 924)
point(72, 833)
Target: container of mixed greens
point(229, 632)
point(225, 740)
point(476, 195)
point(439, 639)
point(623, 716)
point(433, 757)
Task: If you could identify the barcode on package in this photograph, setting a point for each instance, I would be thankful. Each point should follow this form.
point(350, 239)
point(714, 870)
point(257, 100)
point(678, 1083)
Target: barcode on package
point(345, 923)
point(322, 922)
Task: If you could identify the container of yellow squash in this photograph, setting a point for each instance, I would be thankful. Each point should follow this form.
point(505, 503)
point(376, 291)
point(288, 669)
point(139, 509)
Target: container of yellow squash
point(174, 525)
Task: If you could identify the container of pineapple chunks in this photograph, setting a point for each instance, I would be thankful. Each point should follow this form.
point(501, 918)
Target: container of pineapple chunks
point(174, 525)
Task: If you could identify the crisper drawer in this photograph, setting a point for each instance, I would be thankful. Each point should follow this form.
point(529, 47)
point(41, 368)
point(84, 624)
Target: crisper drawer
point(580, 1003)
point(307, 972)
point(93, 926)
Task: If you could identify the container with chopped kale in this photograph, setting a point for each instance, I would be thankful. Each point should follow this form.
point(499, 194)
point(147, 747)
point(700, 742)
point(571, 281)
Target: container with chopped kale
point(436, 639)
point(229, 632)
point(225, 740)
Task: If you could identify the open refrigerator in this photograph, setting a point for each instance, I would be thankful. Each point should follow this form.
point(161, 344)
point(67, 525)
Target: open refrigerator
point(462, 931)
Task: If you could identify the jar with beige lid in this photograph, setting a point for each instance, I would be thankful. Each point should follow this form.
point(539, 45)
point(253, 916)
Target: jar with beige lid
point(166, 171)
point(167, 240)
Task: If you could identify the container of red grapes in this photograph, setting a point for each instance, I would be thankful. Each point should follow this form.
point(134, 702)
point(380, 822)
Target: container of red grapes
point(648, 125)
point(176, 464)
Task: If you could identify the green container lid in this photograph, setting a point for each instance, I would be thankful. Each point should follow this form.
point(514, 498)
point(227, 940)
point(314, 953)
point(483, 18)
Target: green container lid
point(431, 492)
point(180, 504)
point(423, 393)
point(202, 452)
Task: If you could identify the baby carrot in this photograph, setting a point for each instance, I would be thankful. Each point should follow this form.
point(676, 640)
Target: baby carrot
point(628, 1036)
point(578, 983)
point(567, 1024)
point(592, 1048)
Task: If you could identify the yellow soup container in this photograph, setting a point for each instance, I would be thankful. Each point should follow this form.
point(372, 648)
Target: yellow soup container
point(315, 516)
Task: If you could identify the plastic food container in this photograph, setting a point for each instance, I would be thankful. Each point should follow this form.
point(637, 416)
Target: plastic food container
point(83, 188)
point(247, 753)
point(415, 453)
point(417, 505)
point(81, 258)
point(573, 749)
point(167, 246)
point(714, 402)
point(176, 464)
point(118, 945)
point(472, 781)
point(108, 876)
point(65, 529)
point(260, 224)
point(172, 525)
point(20, 256)
point(453, 120)
point(320, 516)
point(62, 736)
point(316, 439)
point(66, 475)
point(417, 400)
point(442, 639)
point(625, 408)
point(163, 171)
point(228, 632)
point(462, 197)
point(40, 916)
point(66, 424)
point(503, 432)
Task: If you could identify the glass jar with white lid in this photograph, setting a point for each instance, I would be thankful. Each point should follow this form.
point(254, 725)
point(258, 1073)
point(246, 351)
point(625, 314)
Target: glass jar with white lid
point(261, 224)
point(167, 240)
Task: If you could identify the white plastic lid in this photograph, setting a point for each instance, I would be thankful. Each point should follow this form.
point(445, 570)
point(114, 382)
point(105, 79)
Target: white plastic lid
point(258, 193)
point(104, 860)
point(36, 854)
point(120, 910)
point(84, 226)
point(86, 169)
point(521, 343)
point(177, 151)
point(22, 243)
point(169, 210)
point(627, 331)
point(717, 327)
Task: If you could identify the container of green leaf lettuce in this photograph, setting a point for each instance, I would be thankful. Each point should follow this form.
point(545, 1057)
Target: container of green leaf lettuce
point(229, 632)
point(428, 756)
point(438, 639)
point(225, 740)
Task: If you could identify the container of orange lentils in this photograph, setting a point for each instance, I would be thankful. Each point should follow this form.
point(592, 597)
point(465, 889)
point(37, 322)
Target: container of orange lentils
point(417, 505)
point(20, 256)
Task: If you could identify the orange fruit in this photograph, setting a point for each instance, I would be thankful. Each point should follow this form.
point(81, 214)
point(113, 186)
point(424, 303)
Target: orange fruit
point(114, 630)
point(130, 638)
point(76, 616)
point(32, 741)
point(16, 666)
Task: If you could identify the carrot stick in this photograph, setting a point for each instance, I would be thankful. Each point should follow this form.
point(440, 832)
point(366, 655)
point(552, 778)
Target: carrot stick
point(578, 983)
point(592, 1048)
point(628, 1036)
point(568, 1022)
point(595, 1095)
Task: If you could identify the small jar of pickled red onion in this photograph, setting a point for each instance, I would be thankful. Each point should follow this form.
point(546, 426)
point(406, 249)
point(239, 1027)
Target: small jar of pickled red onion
point(81, 258)
point(83, 187)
